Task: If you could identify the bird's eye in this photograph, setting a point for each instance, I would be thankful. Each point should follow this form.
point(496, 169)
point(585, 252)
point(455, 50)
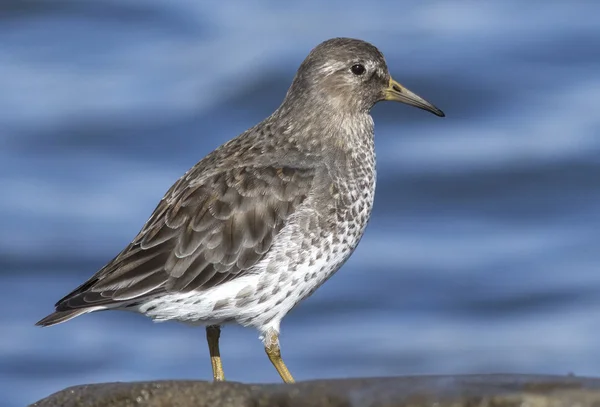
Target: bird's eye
point(357, 69)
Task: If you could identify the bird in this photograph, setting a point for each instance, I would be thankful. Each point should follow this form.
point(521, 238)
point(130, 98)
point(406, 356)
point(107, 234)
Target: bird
point(262, 221)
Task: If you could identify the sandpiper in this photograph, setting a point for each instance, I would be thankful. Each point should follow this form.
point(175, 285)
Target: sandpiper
point(262, 221)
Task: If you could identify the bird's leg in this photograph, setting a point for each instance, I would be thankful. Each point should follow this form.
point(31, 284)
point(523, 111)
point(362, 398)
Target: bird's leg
point(213, 333)
point(274, 354)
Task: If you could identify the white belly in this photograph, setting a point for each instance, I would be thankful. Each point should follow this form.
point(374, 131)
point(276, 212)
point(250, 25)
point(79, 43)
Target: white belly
point(266, 293)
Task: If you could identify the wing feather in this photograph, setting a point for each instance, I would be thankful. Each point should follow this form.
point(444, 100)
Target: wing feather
point(203, 233)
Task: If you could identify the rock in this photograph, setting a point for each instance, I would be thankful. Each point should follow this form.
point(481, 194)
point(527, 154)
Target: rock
point(419, 391)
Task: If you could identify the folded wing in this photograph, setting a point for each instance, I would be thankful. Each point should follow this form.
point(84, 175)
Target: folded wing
point(202, 234)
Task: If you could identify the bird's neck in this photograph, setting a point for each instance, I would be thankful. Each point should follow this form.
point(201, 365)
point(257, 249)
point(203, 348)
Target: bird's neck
point(323, 128)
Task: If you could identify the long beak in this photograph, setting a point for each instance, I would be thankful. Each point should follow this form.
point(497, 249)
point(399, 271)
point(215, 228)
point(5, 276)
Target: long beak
point(399, 93)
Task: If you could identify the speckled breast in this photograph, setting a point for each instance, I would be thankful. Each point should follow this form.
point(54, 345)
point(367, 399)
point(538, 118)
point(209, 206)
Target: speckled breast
point(341, 227)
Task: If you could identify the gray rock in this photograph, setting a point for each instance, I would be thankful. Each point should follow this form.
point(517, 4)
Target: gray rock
point(420, 391)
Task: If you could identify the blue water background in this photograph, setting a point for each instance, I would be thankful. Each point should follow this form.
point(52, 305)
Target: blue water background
point(483, 251)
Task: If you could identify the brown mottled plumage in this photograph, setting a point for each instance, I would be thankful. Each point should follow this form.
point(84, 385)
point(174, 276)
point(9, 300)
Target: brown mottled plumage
point(265, 219)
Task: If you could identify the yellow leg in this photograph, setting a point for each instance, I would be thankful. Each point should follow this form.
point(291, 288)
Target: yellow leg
point(213, 333)
point(274, 354)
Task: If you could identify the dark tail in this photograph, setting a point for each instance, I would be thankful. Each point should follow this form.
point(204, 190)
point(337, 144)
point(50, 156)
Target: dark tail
point(62, 316)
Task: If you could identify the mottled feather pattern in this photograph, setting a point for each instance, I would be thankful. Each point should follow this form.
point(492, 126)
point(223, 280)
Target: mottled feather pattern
point(200, 235)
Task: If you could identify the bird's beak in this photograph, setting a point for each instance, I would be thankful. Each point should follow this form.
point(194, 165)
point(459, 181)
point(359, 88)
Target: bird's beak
point(399, 93)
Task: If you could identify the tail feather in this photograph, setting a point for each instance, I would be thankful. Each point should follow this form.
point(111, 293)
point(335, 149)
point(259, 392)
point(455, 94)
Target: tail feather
point(62, 316)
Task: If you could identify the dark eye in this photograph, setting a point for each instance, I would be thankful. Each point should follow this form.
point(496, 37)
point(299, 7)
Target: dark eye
point(357, 69)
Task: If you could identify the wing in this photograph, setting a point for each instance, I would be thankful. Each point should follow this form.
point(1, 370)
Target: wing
point(203, 233)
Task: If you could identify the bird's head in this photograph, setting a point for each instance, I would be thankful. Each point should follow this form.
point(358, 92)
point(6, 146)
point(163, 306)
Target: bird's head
point(351, 76)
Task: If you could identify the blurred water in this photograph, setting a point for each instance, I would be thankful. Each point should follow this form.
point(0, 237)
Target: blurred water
point(482, 252)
